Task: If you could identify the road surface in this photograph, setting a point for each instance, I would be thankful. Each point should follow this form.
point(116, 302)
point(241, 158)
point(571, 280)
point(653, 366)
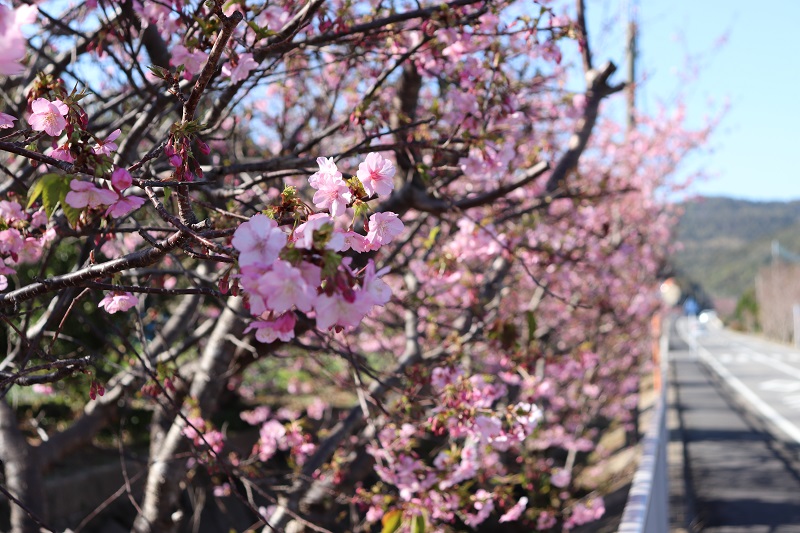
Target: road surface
point(738, 404)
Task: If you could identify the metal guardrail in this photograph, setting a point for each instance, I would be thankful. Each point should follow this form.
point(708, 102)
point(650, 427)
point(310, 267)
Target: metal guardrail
point(647, 509)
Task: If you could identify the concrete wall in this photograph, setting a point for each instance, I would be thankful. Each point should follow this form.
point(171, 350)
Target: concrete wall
point(777, 290)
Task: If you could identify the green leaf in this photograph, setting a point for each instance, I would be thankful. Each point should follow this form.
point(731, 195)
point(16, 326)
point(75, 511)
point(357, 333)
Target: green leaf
point(55, 192)
point(48, 187)
point(360, 208)
point(158, 72)
point(35, 191)
point(531, 319)
point(330, 263)
point(418, 524)
point(72, 214)
point(431, 240)
point(391, 521)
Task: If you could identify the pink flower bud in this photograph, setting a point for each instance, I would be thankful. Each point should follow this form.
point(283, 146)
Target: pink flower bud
point(203, 147)
point(121, 179)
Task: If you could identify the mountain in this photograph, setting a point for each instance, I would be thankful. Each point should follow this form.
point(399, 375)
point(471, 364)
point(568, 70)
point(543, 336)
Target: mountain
point(723, 241)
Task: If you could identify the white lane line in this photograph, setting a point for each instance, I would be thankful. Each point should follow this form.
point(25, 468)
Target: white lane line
point(793, 400)
point(777, 365)
point(766, 411)
point(780, 385)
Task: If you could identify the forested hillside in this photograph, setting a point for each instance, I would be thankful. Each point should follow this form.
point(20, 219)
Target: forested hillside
point(723, 241)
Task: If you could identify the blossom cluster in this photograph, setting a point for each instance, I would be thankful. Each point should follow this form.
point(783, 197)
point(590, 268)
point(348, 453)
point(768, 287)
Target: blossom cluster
point(12, 41)
point(22, 237)
point(303, 269)
point(477, 429)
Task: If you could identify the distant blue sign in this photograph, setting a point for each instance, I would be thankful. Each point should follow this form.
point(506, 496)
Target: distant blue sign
point(690, 307)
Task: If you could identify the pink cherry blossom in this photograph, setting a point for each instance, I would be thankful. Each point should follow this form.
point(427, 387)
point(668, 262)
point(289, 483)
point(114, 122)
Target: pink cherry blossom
point(6, 120)
point(118, 301)
point(45, 389)
point(332, 194)
point(12, 41)
point(375, 291)
point(282, 328)
point(3, 282)
point(287, 288)
point(327, 167)
point(85, 194)
point(242, 69)
point(354, 241)
point(376, 175)
point(383, 228)
point(484, 504)
point(272, 438)
point(256, 416)
point(336, 311)
point(561, 478)
point(124, 205)
point(316, 410)
point(546, 520)
point(62, 153)
point(592, 510)
point(11, 243)
point(304, 233)
point(39, 219)
point(515, 512)
point(259, 241)
point(11, 212)
point(192, 61)
point(48, 116)
point(106, 146)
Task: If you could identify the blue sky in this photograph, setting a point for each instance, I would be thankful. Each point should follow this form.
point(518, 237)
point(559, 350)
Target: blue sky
point(757, 70)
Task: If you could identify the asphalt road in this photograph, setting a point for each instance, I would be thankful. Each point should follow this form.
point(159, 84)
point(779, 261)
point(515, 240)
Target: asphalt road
point(738, 404)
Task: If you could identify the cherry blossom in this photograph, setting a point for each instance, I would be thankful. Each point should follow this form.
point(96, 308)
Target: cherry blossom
point(241, 70)
point(6, 120)
point(10, 212)
point(376, 175)
point(259, 241)
point(12, 42)
point(515, 512)
point(327, 167)
point(332, 194)
point(267, 331)
point(272, 438)
point(124, 205)
point(63, 153)
point(44, 389)
point(383, 228)
point(85, 194)
point(287, 288)
point(335, 310)
point(107, 145)
point(303, 236)
point(48, 116)
point(192, 61)
point(118, 301)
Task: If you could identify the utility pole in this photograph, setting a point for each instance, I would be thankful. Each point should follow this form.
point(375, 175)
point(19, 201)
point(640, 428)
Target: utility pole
point(630, 90)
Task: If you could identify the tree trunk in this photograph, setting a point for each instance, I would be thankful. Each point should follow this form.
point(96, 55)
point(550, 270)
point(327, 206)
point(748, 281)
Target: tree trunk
point(23, 478)
point(160, 512)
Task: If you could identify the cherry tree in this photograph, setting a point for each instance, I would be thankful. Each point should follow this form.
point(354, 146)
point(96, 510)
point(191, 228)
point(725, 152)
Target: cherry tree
point(392, 237)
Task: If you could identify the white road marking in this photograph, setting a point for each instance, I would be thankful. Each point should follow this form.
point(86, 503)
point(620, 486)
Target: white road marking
point(768, 412)
point(778, 365)
point(793, 400)
point(780, 385)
